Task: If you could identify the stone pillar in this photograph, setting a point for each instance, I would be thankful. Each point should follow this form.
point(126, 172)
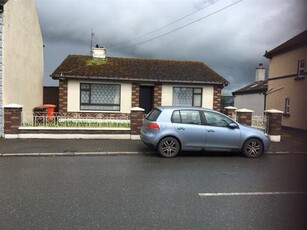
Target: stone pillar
point(136, 122)
point(12, 120)
point(273, 126)
point(230, 111)
point(244, 116)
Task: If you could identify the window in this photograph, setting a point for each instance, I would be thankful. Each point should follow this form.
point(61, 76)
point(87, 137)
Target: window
point(153, 115)
point(216, 119)
point(186, 117)
point(287, 106)
point(187, 96)
point(99, 97)
point(301, 69)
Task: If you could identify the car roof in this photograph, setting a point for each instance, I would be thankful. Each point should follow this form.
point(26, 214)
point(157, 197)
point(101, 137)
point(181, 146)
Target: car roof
point(182, 107)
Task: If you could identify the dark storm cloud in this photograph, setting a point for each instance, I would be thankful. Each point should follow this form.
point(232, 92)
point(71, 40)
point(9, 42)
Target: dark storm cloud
point(232, 41)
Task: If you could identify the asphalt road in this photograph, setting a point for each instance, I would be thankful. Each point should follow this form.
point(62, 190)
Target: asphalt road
point(149, 192)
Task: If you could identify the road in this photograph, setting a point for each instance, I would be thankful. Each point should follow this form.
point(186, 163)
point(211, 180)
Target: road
point(148, 192)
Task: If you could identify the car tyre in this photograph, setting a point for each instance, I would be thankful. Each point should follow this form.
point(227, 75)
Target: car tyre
point(169, 147)
point(253, 148)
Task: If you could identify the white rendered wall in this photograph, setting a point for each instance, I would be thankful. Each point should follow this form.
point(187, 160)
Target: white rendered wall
point(253, 102)
point(22, 55)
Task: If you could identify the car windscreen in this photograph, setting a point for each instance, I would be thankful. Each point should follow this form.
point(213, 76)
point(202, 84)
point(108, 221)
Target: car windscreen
point(153, 115)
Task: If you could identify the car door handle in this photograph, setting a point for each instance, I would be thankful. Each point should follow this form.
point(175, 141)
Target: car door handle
point(181, 128)
point(210, 131)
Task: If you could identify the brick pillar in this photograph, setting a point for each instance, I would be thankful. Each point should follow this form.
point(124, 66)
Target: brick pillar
point(157, 94)
point(135, 95)
point(230, 111)
point(244, 116)
point(63, 96)
point(274, 118)
point(12, 120)
point(136, 121)
point(217, 98)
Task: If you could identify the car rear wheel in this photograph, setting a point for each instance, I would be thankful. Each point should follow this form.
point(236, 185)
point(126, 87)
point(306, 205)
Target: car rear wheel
point(253, 148)
point(169, 147)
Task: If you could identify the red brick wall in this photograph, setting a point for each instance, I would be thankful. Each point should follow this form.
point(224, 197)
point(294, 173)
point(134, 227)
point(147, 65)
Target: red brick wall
point(12, 120)
point(244, 118)
point(157, 95)
point(63, 96)
point(217, 98)
point(135, 95)
point(274, 123)
point(136, 122)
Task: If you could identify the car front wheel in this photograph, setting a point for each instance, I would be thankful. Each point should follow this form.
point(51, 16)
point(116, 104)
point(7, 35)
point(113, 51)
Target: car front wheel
point(169, 147)
point(253, 148)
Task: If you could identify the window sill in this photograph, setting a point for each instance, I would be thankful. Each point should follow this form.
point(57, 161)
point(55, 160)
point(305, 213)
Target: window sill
point(299, 78)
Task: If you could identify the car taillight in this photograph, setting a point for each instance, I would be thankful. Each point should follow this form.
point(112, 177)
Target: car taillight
point(153, 126)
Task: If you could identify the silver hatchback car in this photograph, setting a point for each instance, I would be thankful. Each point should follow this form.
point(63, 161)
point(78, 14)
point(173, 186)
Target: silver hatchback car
point(172, 129)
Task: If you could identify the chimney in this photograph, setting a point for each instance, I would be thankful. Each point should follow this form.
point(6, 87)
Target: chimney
point(99, 52)
point(260, 72)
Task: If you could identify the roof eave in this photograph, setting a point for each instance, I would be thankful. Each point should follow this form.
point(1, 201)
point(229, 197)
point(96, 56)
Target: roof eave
point(57, 77)
point(250, 92)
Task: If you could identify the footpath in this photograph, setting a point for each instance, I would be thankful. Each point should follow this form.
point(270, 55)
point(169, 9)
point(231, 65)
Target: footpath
point(291, 143)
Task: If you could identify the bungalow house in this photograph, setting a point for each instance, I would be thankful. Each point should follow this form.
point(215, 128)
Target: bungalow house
point(253, 96)
point(113, 85)
point(21, 56)
point(287, 81)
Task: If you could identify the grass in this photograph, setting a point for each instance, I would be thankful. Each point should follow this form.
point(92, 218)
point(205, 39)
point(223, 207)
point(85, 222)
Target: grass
point(96, 61)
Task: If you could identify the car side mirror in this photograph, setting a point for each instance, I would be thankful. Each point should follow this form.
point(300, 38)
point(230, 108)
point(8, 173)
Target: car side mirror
point(233, 126)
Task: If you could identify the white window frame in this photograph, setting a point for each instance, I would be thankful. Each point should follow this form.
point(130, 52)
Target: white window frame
point(95, 106)
point(287, 106)
point(300, 68)
point(194, 94)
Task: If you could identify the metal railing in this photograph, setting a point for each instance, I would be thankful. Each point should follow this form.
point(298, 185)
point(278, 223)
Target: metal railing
point(75, 120)
point(259, 122)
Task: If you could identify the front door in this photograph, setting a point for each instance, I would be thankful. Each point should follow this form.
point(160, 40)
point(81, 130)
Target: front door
point(146, 98)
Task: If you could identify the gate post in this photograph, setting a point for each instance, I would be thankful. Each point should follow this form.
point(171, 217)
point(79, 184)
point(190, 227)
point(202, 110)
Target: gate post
point(244, 116)
point(12, 120)
point(274, 124)
point(230, 111)
point(136, 122)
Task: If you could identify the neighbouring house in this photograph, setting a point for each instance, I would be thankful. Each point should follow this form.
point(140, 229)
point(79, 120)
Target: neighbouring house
point(287, 83)
point(21, 62)
point(253, 96)
point(114, 85)
point(227, 101)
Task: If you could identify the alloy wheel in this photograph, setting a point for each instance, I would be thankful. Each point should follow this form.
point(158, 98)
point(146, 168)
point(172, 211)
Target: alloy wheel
point(168, 147)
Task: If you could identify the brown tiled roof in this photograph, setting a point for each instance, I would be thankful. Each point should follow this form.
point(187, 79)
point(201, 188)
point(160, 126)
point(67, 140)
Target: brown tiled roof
point(256, 87)
point(133, 69)
point(297, 41)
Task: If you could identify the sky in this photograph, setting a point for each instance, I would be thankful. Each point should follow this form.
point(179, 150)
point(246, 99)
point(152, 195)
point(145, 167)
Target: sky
point(230, 36)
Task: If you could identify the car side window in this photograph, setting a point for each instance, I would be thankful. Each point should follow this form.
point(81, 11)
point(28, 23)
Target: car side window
point(186, 117)
point(216, 119)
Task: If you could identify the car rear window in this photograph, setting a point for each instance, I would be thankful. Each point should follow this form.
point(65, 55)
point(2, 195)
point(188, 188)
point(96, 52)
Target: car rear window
point(153, 115)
